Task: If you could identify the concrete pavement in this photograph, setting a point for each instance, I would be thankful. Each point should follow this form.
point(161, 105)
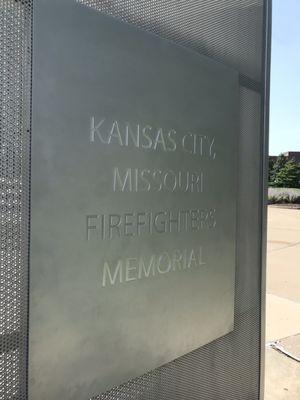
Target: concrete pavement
point(283, 302)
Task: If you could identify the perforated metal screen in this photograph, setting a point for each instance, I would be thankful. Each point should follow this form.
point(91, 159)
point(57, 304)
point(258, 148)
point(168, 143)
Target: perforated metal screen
point(233, 32)
point(15, 69)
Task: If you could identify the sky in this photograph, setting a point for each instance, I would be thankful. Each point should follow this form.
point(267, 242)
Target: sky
point(285, 77)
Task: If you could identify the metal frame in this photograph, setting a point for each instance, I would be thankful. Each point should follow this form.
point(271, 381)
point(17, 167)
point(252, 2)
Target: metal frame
point(262, 88)
point(266, 60)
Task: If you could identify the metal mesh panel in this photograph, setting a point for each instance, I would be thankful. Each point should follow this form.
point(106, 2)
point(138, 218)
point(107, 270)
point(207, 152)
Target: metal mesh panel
point(15, 65)
point(230, 31)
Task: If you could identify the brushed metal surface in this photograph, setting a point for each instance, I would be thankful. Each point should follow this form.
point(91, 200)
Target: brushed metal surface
point(129, 132)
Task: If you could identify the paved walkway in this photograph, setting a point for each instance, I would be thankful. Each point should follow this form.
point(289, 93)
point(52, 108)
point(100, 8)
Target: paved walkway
point(283, 303)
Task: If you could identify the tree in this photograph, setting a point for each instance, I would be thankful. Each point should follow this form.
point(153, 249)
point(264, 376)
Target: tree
point(288, 176)
point(271, 166)
point(277, 167)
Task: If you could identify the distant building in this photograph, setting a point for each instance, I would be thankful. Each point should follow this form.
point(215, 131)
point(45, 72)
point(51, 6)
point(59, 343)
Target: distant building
point(290, 155)
point(293, 155)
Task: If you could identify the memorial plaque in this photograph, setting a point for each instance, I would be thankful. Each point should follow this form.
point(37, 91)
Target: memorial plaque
point(133, 204)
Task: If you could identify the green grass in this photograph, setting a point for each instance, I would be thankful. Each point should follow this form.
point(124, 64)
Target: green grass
point(283, 196)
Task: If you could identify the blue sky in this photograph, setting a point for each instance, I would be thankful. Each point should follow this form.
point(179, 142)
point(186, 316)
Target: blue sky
point(285, 77)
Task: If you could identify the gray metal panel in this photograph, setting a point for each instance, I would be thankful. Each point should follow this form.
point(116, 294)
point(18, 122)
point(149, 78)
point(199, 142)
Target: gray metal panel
point(92, 69)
